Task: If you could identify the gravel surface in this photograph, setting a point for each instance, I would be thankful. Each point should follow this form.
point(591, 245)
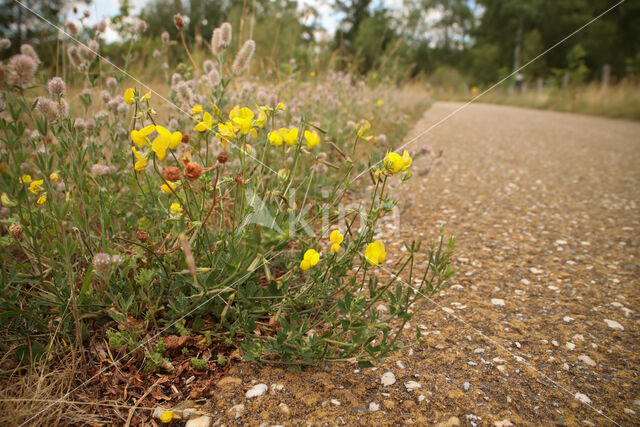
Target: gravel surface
point(540, 326)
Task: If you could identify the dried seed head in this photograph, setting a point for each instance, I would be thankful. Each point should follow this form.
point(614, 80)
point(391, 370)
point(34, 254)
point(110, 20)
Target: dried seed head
point(99, 169)
point(89, 124)
point(225, 36)
point(27, 49)
point(192, 171)
point(101, 26)
point(223, 157)
point(48, 109)
point(164, 37)
point(74, 56)
point(207, 66)
point(56, 86)
point(102, 262)
point(243, 58)
point(141, 27)
point(63, 108)
point(142, 236)
point(21, 70)
point(185, 138)
point(239, 179)
point(214, 77)
point(217, 46)
point(171, 173)
point(112, 83)
point(178, 21)
point(92, 49)
point(15, 230)
point(5, 44)
point(105, 96)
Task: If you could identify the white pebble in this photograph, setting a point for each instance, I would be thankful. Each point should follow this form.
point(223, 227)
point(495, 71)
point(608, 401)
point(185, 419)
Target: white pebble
point(388, 379)
point(256, 390)
point(614, 325)
point(570, 345)
point(583, 398)
point(373, 406)
point(412, 385)
point(335, 402)
point(497, 301)
point(586, 359)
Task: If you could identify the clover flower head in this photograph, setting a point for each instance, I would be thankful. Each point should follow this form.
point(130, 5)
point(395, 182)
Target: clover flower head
point(164, 37)
point(21, 70)
point(27, 49)
point(225, 33)
point(48, 108)
point(241, 63)
point(101, 26)
point(5, 43)
point(56, 87)
point(102, 262)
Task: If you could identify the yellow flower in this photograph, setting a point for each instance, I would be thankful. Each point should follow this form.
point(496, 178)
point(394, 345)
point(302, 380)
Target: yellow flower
point(167, 416)
point(311, 258)
point(380, 102)
point(226, 132)
point(54, 177)
point(42, 199)
point(141, 137)
point(206, 123)
point(35, 186)
point(169, 187)
point(335, 248)
point(164, 140)
point(283, 173)
point(25, 179)
point(290, 136)
point(176, 210)
point(6, 201)
point(243, 117)
point(312, 138)
point(196, 109)
point(280, 106)
point(394, 163)
point(336, 237)
point(364, 128)
point(142, 162)
point(312, 74)
point(377, 173)
point(145, 96)
point(374, 253)
point(275, 138)
point(474, 90)
point(262, 117)
point(128, 96)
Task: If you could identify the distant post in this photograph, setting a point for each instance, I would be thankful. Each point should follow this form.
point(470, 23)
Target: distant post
point(565, 81)
point(606, 74)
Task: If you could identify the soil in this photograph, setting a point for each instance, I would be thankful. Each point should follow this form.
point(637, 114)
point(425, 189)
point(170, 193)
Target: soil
point(544, 207)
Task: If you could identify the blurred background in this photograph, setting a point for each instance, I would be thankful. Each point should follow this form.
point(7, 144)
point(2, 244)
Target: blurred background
point(455, 48)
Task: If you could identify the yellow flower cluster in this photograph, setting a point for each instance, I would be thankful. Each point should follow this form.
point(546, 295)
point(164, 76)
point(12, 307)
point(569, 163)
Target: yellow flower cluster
point(35, 187)
point(375, 253)
point(394, 162)
point(163, 141)
point(336, 238)
point(241, 122)
point(290, 137)
point(310, 258)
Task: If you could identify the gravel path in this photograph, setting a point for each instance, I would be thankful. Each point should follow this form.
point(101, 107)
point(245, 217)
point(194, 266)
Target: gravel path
point(541, 325)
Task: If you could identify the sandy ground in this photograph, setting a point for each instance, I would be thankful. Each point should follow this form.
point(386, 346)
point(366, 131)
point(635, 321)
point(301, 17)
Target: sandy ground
point(541, 324)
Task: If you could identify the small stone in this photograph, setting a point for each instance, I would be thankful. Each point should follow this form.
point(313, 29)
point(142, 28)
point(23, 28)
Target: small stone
point(478, 350)
point(466, 385)
point(583, 398)
point(388, 404)
point(284, 409)
point(388, 379)
point(614, 325)
point(629, 411)
point(501, 368)
point(203, 421)
point(451, 422)
point(535, 270)
point(578, 337)
point(335, 402)
point(447, 310)
point(226, 382)
point(497, 302)
point(373, 407)
point(408, 405)
point(412, 385)
point(555, 343)
point(567, 319)
point(400, 365)
point(256, 390)
point(525, 282)
point(503, 423)
point(560, 242)
point(276, 388)
point(570, 345)
point(586, 359)
point(238, 409)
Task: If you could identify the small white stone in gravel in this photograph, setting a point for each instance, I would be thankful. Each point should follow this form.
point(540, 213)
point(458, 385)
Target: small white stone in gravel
point(567, 319)
point(583, 398)
point(400, 365)
point(560, 242)
point(501, 368)
point(447, 310)
point(503, 423)
point(497, 301)
point(412, 385)
point(629, 411)
point(373, 406)
point(570, 345)
point(238, 409)
point(421, 398)
point(388, 379)
point(277, 387)
point(456, 287)
point(586, 359)
point(555, 343)
point(466, 385)
point(578, 337)
point(553, 288)
point(203, 421)
point(565, 367)
point(517, 344)
point(617, 304)
point(525, 282)
point(478, 350)
point(256, 390)
point(535, 270)
point(637, 403)
point(498, 360)
point(614, 325)
point(588, 423)
point(335, 402)
point(284, 409)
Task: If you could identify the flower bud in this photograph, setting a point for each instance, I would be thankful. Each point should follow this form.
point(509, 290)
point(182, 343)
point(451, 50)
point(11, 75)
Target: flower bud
point(192, 171)
point(171, 173)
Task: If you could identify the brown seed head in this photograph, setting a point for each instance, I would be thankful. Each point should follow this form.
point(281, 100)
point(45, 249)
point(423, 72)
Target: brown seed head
point(185, 138)
point(15, 230)
point(171, 173)
point(143, 236)
point(192, 171)
point(178, 21)
point(239, 179)
point(223, 157)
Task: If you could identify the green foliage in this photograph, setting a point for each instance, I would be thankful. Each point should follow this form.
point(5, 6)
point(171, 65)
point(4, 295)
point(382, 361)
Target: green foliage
point(199, 364)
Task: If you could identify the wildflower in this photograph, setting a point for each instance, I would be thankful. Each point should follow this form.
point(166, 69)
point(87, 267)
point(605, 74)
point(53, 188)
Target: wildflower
point(164, 37)
point(243, 58)
point(374, 253)
point(206, 123)
point(216, 42)
point(141, 26)
point(36, 186)
point(101, 26)
point(7, 202)
point(100, 169)
point(128, 96)
point(364, 128)
point(168, 187)
point(290, 136)
point(74, 56)
point(15, 230)
point(225, 34)
point(56, 87)
point(262, 117)
point(142, 162)
point(336, 238)
point(171, 173)
point(380, 102)
point(27, 49)
point(394, 163)
point(141, 137)
point(243, 118)
point(214, 77)
point(164, 140)
point(54, 177)
point(283, 173)
point(5, 44)
point(175, 209)
point(63, 108)
point(310, 258)
point(312, 138)
point(102, 262)
point(42, 199)
point(382, 138)
point(21, 70)
point(167, 416)
point(226, 132)
point(275, 137)
point(192, 171)
point(25, 179)
point(196, 109)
